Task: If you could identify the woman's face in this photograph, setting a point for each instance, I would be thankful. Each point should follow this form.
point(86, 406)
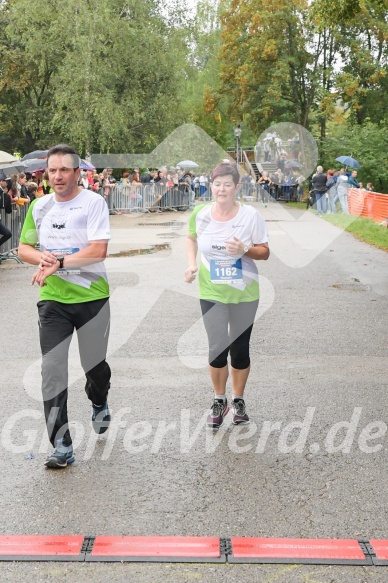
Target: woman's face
point(224, 189)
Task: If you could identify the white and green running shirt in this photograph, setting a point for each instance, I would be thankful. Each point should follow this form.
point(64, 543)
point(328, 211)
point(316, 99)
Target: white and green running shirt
point(67, 227)
point(222, 277)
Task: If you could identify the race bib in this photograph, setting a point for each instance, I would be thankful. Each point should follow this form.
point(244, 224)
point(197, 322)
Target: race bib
point(68, 270)
point(227, 271)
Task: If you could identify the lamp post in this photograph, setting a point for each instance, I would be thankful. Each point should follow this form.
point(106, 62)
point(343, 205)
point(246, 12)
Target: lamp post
point(237, 136)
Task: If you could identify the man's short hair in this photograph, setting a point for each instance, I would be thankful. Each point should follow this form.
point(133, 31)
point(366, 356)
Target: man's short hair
point(65, 149)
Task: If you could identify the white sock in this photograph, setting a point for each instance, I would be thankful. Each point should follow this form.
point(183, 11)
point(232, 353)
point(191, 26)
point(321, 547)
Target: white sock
point(220, 397)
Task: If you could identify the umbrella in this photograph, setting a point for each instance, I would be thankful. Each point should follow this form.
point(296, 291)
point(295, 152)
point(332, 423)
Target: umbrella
point(348, 161)
point(187, 164)
point(36, 154)
point(12, 167)
point(84, 165)
point(35, 165)
point(5, 157)
point(292, 164)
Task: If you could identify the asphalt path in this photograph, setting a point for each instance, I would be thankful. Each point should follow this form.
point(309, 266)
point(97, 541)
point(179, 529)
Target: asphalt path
point(313, 462)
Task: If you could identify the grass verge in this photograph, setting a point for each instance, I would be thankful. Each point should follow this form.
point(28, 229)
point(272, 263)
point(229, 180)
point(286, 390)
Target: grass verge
point(363, 229)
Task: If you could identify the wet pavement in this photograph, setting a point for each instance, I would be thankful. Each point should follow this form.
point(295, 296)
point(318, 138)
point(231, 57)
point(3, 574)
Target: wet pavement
point(312, 463)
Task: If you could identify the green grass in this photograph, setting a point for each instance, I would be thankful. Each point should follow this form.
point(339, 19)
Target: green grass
point(363, 229)
point(296, 205)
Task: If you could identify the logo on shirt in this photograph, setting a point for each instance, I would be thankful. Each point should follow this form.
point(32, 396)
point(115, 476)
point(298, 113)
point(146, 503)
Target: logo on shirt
point(218, 247)
point(58, 226)
point(237, 226)
point(58, 222)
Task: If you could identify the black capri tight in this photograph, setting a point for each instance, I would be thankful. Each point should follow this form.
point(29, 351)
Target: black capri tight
point(229, 327)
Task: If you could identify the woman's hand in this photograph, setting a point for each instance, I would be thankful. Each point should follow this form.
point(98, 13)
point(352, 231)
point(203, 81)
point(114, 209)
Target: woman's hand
point(235, 247)
point(190, 273)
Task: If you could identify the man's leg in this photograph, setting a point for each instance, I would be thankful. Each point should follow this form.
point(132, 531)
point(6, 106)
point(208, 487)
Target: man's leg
point(92, 321)
point(55, 332)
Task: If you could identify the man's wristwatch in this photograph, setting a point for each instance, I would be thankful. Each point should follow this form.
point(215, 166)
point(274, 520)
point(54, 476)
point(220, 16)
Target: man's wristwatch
point(61, 259)
point(246, 249)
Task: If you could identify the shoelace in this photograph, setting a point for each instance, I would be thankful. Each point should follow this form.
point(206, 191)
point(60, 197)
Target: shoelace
point(239, 408)
point(216, 409)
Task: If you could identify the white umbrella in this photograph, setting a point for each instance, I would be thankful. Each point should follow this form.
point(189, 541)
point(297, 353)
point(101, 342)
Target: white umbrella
point(187, 164)
point(12, 167)
point(5, 157)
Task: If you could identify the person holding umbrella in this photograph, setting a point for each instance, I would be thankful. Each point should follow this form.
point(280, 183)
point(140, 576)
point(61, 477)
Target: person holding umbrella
point(353, 182)
point(342, 190)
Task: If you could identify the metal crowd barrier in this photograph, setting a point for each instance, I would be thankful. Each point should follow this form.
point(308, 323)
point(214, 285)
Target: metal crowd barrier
point(147, 198)
point(14, 223)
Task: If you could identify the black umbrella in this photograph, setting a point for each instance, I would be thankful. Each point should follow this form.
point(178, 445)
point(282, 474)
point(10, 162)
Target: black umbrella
point(35, 154)
point(292, 164)
point(35, 164)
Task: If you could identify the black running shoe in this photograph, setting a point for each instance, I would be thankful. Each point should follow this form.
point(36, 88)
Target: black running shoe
point(218, 411)
point(61, 456)
point(240, 416)
point(101, 418)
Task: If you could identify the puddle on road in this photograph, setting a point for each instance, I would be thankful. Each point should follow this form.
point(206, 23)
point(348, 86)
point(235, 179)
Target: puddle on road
point(147, 251)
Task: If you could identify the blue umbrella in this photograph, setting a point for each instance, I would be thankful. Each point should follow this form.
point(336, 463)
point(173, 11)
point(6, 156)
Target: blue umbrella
point(84, 165)
point(349, 161)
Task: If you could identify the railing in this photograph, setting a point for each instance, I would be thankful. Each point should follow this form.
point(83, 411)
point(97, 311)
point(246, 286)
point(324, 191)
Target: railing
point(248, 165)
point(148, 198)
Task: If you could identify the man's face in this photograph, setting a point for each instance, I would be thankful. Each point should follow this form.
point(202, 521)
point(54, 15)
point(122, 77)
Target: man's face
point(3, 184)
point(354, 173)
point(22, 180)
point(62, 175)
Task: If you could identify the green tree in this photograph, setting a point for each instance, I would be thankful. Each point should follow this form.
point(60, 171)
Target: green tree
point(102, 76)
point(367, 143)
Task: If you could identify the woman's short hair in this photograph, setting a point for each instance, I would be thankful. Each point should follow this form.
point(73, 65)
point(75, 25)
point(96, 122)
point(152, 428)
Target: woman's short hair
point(226, 169)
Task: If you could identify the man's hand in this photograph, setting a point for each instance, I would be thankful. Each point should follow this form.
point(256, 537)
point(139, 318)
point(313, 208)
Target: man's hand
point(47, 259)
point(190, 273)
point(43, 273)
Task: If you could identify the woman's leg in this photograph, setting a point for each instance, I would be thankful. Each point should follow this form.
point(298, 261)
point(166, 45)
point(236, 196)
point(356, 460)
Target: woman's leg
point(242, 317)
point(215, 319)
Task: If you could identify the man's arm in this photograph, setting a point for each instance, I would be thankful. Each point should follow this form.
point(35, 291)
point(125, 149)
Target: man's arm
point(95, 252)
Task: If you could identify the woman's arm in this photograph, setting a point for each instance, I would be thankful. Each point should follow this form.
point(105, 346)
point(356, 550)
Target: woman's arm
point(191, 251)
